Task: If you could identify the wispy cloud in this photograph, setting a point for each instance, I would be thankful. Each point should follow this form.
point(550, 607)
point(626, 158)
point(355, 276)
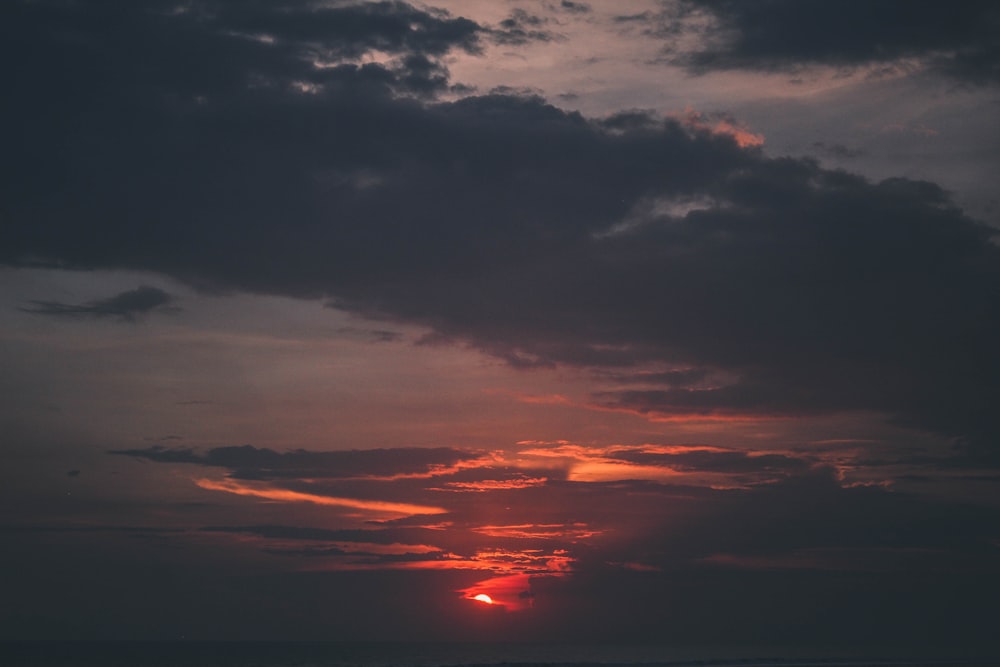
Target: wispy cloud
point(380, 507)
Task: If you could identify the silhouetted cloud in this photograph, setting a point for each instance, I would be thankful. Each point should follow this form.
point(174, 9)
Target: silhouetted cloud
point(126, 306)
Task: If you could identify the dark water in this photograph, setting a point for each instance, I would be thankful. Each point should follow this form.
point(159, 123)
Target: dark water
point(305, 654)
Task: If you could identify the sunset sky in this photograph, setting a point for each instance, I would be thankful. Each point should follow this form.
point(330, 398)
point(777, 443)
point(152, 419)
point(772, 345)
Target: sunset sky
point(564, 321)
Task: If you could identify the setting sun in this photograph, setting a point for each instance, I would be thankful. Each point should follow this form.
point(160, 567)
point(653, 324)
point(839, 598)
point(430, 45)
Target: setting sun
point(483, 597)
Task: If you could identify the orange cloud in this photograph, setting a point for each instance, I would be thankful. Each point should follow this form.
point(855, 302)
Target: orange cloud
point(533, 560)
point(495, 484)
point(285, 495)
point(614, 471)
point(596, 464)
point(612, 463)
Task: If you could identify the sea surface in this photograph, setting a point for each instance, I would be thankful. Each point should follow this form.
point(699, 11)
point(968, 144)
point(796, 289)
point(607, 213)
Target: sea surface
point(361, 654)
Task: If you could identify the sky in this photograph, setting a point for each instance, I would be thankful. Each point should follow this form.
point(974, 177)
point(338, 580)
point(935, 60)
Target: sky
point(568, 321)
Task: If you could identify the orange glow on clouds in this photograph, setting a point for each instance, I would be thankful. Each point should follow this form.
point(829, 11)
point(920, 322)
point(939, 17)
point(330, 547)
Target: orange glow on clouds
point(488, 460)
point(576, 531)
point(597, 464)
point(495, 484)
point(616, 471)
point(701, 417)
point(285, 495)
point(698, 121)
point(612, 463)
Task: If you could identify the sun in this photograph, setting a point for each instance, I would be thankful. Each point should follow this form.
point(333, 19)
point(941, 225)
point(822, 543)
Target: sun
point(483, 597)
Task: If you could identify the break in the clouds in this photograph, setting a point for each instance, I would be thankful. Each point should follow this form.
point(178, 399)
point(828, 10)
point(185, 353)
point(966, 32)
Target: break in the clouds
point(126, 306)
point(958, 40)
point(535, 234)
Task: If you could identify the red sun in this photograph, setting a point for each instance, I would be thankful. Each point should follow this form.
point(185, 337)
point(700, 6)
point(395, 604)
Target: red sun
point(483, 597)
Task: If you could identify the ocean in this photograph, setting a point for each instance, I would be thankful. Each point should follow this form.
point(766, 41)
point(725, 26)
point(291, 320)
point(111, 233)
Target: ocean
point(391, 654)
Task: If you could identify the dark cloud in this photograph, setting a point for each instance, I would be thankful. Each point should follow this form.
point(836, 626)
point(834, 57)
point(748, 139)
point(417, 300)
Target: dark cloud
point(532, 233)
point(278, 532)
point(85, 528)
point(633, 18)
point(248, 462)
point(575, 7)
point(116, 68)
point(957, 39)
point(706, 460)
point(126, 306)
point(521, 28)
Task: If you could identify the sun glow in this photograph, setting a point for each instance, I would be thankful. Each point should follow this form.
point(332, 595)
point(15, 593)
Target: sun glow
point(509, 592)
